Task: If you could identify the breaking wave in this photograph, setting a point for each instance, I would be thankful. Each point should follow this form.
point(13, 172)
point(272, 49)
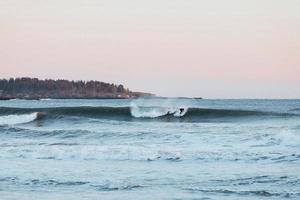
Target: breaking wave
point(154, 112)
point(12, 115)
point(18, 118)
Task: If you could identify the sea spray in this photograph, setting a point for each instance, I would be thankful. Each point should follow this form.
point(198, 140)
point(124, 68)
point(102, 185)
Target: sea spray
point(149, 112)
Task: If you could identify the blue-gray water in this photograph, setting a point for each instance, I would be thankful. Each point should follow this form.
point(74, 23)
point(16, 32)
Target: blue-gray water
point(124, 149)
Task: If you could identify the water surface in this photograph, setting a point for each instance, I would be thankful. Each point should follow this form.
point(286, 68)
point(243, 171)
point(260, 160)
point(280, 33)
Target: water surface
point(141, 149)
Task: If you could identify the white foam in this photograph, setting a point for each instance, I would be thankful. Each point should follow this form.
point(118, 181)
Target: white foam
point(47, 99)
point(153, 112)
point(17, 119)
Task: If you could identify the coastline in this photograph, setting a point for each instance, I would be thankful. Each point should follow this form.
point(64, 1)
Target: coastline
point(36, 89)
point(98, 98)
point(83, 98)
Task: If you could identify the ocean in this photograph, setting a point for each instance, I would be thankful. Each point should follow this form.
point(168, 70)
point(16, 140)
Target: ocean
point(148, 149)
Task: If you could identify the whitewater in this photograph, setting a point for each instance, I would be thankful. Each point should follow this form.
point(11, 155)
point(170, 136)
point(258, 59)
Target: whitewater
point(148, 149)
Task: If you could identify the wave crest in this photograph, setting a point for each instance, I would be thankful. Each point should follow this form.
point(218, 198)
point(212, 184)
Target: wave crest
point(23, 115)
point(154, 112)
point(18, 119)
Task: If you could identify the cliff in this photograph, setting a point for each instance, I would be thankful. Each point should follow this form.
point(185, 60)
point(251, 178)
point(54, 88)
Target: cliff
point(33, 88)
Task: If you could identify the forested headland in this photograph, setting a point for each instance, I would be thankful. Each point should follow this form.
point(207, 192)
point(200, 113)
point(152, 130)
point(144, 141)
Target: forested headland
point(33, 88)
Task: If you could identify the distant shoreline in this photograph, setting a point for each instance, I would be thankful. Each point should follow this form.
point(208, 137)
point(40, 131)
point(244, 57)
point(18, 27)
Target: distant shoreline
point(35, 89)
point(40, 99)
point(100, 98)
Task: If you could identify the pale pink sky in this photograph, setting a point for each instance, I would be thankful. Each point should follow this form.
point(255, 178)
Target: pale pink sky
point(214, 49)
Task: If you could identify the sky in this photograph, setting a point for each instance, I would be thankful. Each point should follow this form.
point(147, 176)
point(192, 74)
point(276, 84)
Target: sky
point(194, 48)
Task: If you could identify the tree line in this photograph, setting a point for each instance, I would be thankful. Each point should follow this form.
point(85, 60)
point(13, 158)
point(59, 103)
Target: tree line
point(33, 88)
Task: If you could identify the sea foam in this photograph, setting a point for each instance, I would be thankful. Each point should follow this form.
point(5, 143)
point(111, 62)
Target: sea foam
point(18, 119)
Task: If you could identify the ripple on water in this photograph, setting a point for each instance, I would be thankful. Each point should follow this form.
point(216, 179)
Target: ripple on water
point(257, 193)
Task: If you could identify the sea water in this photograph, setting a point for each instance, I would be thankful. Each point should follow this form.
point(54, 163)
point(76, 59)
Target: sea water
point(142, 149)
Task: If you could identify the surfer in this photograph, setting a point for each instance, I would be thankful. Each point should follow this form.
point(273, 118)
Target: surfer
point(181, 110)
